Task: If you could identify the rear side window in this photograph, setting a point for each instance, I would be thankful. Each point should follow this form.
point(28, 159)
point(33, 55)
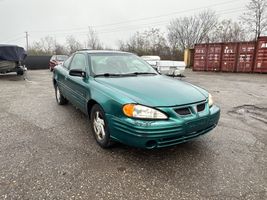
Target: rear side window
point(78, 62)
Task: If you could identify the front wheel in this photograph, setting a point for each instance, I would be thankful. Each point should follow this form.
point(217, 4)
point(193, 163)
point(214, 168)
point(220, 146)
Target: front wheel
point(100, 127)
point(61, 100)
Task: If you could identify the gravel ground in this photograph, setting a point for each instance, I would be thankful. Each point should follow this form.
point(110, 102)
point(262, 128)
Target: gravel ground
point(48, 151)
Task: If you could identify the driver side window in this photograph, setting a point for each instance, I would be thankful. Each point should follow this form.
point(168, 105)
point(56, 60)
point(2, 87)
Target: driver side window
point(78, 62)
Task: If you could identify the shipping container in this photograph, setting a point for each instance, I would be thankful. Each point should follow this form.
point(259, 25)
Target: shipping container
point(232, 56)
point(200, 57)
point(261, 56)
point(214, 57)
point(229, 57)
point(246, 56)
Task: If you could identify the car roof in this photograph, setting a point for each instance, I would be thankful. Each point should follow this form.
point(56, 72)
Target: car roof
point(89, 51)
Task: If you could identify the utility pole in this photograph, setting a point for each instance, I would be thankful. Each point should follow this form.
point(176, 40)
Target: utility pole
point(27, 40)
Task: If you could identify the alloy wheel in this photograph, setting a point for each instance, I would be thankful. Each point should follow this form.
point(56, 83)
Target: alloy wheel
point(99, 126)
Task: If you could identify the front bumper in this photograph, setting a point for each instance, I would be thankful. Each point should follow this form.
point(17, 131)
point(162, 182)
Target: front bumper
point(162, 133)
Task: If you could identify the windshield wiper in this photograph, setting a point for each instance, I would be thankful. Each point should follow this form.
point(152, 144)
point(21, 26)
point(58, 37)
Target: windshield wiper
point(126, 74)
point(140, 73)
point(107, 75)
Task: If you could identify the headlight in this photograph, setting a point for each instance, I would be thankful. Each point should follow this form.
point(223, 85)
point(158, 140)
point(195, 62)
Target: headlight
point(210, 100)
point(142, 112)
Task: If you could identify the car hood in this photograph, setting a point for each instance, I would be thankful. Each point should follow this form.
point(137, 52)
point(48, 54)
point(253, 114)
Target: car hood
point(155, 91)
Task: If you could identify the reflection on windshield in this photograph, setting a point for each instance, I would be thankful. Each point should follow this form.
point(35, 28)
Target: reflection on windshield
point(119, 64)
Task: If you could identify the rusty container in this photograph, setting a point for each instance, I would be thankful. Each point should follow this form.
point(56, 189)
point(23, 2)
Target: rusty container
point(214, 57)
point(246, 56)
point(200, 57)
point(229, 57)
point(261, 55)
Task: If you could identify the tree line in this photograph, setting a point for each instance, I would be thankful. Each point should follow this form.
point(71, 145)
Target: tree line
point(181, 33)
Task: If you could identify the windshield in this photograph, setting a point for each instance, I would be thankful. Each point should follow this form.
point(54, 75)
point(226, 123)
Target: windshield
point(119, 64)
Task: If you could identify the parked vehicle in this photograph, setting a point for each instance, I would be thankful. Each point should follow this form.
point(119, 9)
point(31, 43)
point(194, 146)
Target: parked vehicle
point(166, 67)
point(56, 60)
point(129, 102)
point(152, 60)
point(11, 57)
point(171, 68)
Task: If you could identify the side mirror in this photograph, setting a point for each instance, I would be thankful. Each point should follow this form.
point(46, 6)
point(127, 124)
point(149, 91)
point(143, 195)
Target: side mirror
point(77, 72)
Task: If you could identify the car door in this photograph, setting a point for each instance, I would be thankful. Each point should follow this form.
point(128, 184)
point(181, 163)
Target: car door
point(78, 85)
point(62, 78)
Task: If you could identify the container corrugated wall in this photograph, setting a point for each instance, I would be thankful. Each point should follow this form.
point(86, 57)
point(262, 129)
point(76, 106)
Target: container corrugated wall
point(261, 56)
point(214, 57)
point(229, 58)
point(200, 57)
point(246, 56)
point(232, 57)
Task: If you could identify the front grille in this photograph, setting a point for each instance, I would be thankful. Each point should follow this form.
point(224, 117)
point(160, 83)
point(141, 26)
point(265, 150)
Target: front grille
point(200, 107)
point(183, 111)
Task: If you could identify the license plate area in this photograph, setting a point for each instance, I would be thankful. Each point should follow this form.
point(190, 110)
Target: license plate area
point(195, 126)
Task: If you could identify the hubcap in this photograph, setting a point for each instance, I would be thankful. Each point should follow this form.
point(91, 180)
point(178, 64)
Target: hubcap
point(99, 126)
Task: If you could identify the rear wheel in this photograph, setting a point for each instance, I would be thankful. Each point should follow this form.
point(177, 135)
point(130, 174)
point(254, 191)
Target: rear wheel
point(61, 100)
point(100, 127)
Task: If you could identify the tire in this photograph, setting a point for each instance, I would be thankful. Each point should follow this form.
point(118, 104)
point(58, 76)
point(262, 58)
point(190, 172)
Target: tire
point(61, 100)
point(100, 127)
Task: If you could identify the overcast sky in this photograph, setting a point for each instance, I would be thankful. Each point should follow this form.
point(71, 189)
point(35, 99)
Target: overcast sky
point(112, 19)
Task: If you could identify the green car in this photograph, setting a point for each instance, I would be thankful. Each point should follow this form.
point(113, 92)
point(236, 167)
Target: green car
point(128, 101)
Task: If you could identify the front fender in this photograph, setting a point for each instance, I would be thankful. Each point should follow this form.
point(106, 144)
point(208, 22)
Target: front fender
point(110, 100)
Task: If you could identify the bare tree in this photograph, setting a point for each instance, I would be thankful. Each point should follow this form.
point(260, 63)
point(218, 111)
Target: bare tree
point(46, 46)
point(73, 44)
point(228, 31)
point(36, 49)
point(93, 41)
point(256, 17)
point(186, 31)
point(60, 50)
point(149, 42)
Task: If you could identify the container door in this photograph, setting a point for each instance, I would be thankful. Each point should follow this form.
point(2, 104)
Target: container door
point(261, 56)
point(246, 57)
point(200, 57)
point(214, 57)
point(229, 57)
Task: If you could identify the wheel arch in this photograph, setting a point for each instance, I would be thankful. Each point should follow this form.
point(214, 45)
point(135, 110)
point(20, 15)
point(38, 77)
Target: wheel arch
point(90, 105)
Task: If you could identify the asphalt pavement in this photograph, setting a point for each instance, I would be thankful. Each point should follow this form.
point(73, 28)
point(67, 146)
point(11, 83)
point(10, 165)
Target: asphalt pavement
point(48, 151)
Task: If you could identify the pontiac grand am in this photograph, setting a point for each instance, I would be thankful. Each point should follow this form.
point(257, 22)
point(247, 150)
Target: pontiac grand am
point(128, 101)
